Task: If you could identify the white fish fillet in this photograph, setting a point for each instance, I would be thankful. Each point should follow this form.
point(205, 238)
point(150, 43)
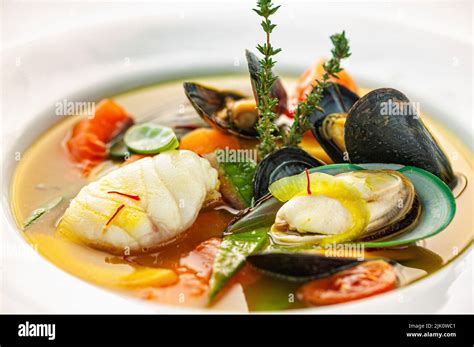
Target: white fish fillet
point(172, 188)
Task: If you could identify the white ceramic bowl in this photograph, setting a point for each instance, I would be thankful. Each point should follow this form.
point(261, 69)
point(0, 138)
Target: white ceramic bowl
point(120, 54)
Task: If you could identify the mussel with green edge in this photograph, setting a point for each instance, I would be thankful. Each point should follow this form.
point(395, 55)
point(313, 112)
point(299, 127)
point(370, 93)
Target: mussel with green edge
point(328, 123)
point(415, 205)
point(356, 205)
point(286, 161)
point(384, 126)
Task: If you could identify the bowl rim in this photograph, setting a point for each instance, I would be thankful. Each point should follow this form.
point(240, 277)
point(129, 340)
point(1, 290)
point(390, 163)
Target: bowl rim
point(149, 73)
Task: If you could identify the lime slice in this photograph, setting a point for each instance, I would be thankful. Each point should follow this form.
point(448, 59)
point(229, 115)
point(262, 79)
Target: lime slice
point(149, 138)
point(172, 145)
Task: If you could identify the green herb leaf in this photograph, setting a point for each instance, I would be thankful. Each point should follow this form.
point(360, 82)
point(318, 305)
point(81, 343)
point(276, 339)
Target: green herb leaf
point(304, 109)
point(231, 256)
point(36, 214)
point(268, 132)
point(240, 176)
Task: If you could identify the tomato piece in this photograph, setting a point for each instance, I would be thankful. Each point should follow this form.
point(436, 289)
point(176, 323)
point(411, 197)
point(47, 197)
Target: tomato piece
point(203, 141)
point(362, 281)
point(194, 272)
point(245, 276)
point(307, 80)
point(201, 259)
point(87, 144)
point(108, 120)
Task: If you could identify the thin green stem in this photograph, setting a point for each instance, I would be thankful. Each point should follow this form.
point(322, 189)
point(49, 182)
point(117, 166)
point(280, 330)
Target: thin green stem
point(268, 132)
point(304, 109)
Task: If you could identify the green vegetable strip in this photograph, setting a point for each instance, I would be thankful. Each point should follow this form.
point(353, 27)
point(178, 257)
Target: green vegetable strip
point(240, 175)
point(36, 214)
point(231, 256)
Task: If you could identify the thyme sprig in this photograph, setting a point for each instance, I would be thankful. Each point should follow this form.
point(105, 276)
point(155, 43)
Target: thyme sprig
point(268, 132)
point(332, 67)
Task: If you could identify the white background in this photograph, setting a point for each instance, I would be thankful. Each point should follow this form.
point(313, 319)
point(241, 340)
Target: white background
point(24, 21)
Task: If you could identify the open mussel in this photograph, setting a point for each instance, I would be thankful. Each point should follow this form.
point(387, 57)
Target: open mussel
point(378, 205)
point(299, 266)
point(284, 162)
point(384, 127)
point(353, 206)
point(232, 111)
point(328, 123)
point(391, 199)
point(226, 110)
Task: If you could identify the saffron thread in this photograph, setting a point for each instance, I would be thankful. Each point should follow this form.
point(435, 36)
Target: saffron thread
point(115, 214)
point(308, 182)
point(134, 197)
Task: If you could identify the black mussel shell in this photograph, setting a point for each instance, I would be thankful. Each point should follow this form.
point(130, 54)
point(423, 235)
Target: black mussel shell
point(208, 101)
point(285, 162)
point(384, 127)
point(335, 99)
point(300, 266)
point(278, 91)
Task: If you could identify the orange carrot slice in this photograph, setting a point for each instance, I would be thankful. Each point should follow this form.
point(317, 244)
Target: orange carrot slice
point(203, 141)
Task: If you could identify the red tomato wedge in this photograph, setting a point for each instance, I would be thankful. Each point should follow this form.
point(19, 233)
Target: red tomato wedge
point(87, 144)
point(201, 259)
point(362, 281)
point(194, 271)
